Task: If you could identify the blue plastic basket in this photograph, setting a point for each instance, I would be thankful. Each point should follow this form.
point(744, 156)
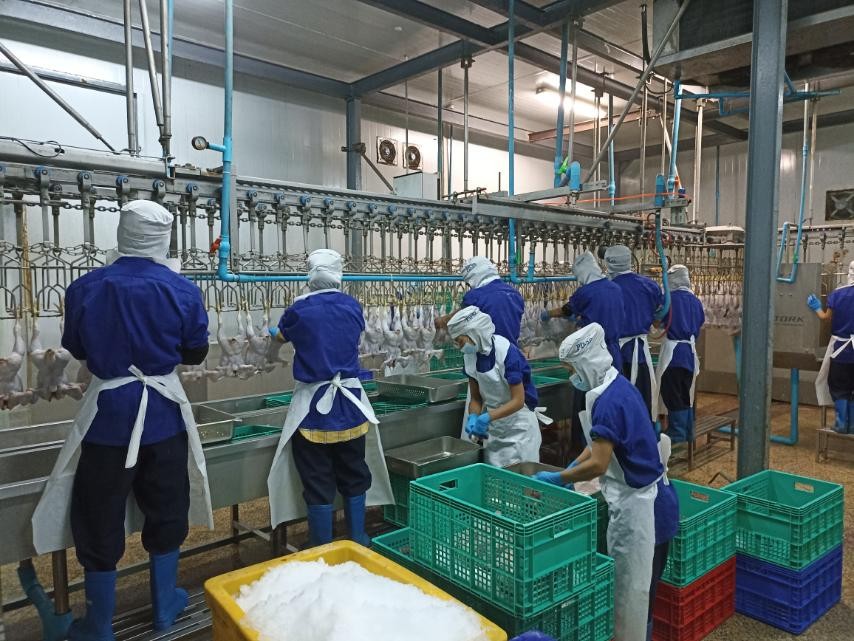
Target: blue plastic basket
point(791, 600)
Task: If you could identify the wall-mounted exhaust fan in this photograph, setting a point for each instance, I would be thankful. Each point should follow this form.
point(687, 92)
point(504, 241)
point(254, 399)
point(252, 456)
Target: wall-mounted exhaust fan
point(412, 157)
point(386, 151)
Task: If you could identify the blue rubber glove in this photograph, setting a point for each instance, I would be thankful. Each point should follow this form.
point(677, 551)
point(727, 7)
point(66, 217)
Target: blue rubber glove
point(481, 426)
point(813, 302)
point(572, 465)
point(545, 316)
point(471, 424)
point(549, 477)
point(273, 331)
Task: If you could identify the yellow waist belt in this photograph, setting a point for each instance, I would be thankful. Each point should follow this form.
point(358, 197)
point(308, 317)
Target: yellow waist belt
point(327, 437)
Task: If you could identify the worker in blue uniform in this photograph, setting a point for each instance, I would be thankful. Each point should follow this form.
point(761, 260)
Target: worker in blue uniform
point(623, 451)
point(643, 300)
point(499, 300)
point(330, 418)
point(133, 322)
point(597, 300)
point(678, 363)
point(503, 410)
point(834, 384)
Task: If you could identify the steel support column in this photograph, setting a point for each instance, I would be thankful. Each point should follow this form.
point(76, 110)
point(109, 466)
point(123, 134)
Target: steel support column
point(763, 176)
point(354, 137)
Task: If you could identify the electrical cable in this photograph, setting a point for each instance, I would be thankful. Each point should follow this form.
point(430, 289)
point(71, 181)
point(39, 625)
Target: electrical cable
point(58, 149)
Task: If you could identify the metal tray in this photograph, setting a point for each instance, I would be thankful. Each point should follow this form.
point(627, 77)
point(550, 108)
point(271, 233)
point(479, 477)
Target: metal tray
point(419, 389)
point(431, 457)
point(214, 426)
point(529, 468)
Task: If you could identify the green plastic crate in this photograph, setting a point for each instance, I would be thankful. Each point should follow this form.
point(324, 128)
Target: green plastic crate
point(560, 373)
point(279, 400)
point(706, 536)
point(244, 432)
point(452, 358)
point(787, 519)
point(389, 407)
point(398, 514)
point(516, 542)
point(585, 616)
point(539, 381)
point(449, 376)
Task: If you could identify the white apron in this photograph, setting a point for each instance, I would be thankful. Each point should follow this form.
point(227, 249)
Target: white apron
point(643, 341)
point(515, 438)
point(631, 534)
point(51, 519)
point(284, 485)
point(822, 390)
point(668, 347)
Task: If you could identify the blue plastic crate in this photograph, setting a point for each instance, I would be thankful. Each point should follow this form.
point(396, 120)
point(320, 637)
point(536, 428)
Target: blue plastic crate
point(791, 600)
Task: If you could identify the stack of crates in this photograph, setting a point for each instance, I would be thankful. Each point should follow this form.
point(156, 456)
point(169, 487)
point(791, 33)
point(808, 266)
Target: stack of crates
point(789, 540)
point(697, 590)
point(520, 549)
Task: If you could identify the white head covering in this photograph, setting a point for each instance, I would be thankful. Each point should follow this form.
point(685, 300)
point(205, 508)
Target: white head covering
point(678, 278)
point(472, 322)
point(851, 273)
point(586, 351)
point(618, 260)
point(478, 270)
point(145, 230)
point(325, 269)
point(586, 269)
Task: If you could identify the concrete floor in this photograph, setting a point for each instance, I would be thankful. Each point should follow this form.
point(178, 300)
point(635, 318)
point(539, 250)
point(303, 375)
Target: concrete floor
point(837, 625)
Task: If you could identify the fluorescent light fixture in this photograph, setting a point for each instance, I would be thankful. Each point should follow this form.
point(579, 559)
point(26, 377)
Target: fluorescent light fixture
point(583, 109)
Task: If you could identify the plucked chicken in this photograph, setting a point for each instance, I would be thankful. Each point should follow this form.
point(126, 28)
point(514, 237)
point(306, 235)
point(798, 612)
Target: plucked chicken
point(51, 381)
point(12, 391)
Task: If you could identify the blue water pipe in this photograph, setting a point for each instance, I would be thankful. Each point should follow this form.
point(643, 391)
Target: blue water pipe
point(224, 253)
point(784, 237)
point(612, 170)
point(674, 139)
point(794, 401)
point(659, 245)
point(564, 45)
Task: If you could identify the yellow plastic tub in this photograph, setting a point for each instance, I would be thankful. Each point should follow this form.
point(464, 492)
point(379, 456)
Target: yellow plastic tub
point(227, 616)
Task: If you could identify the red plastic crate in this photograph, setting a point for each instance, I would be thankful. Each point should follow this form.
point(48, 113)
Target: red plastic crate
point(692, 612)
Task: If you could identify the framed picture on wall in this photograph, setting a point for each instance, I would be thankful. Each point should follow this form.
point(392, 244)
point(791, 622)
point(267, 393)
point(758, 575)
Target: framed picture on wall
point(839, 205)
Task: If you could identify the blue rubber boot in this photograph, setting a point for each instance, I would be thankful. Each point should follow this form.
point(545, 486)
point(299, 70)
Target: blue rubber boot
point(167, 601)
point(97, 625)
point(54, 626)
point(679, 425)
point(319, 525)
point(354, 512)
point(840, 426)
point(851, 417)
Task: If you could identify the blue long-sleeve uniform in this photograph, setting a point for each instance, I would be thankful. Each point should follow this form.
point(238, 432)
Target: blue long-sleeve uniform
point(641, 298)
point(841, 301)
point(687, 317)
point(620, 417)
point(600, 302)
point(516, 370)
point(502, 303)
point(133, 312)
point(325, 330)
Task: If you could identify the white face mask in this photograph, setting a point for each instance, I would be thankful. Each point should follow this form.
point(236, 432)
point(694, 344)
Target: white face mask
point(578, 383)
point(469, 348)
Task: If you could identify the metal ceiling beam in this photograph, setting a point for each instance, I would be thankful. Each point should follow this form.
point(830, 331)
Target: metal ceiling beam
point(526, 14)
point(838, 118)
point(487, 130)
point(94, 26)
point(442, 57)
point(551, 134)
point(430, 16)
